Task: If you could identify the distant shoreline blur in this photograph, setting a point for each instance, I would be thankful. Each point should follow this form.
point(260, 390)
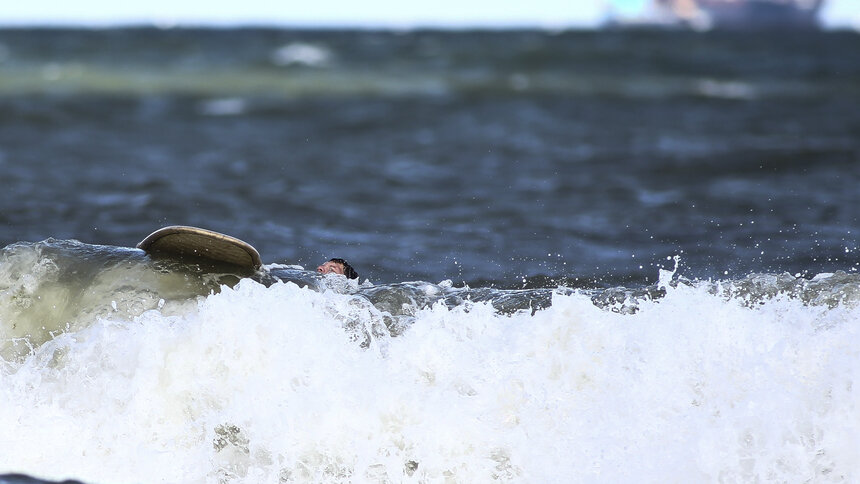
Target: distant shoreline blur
point(833, 16)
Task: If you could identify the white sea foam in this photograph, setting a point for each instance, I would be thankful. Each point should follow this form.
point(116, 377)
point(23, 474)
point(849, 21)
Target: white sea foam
point(725, 89)
point(231, 106)
point(300, 53)
point(259, 384)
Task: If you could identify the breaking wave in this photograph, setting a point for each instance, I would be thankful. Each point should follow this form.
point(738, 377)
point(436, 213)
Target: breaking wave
point(118, 368)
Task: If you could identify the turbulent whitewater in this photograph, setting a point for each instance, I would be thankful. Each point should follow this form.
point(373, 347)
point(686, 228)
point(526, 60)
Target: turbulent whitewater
point(118, 368)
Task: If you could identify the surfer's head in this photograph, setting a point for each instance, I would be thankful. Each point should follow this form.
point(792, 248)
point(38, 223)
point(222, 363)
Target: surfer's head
point(338, 266)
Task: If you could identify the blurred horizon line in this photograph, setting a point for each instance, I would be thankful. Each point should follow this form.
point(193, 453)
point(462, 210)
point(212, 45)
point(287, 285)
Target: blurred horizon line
point(369, 27)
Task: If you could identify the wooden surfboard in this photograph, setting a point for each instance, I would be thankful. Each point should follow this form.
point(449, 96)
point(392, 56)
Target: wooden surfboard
point(192, 242)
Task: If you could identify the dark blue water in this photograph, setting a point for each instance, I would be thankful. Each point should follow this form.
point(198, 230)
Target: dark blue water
point(493, 158)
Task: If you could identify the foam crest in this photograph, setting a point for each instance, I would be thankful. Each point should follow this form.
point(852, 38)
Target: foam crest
point(258, 384)
point(300, 53)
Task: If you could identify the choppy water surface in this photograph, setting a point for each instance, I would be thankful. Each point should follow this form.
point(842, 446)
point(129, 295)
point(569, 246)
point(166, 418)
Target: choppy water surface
point(587, 256)
point(434, 155)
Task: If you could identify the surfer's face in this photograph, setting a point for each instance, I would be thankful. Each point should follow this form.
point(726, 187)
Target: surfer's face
point(330, 267)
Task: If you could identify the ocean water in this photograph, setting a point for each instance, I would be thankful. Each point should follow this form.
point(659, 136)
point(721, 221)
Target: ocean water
point(584, 256)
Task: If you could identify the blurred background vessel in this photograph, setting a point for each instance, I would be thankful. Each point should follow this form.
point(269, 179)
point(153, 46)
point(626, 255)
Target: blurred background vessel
point(728, 14)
